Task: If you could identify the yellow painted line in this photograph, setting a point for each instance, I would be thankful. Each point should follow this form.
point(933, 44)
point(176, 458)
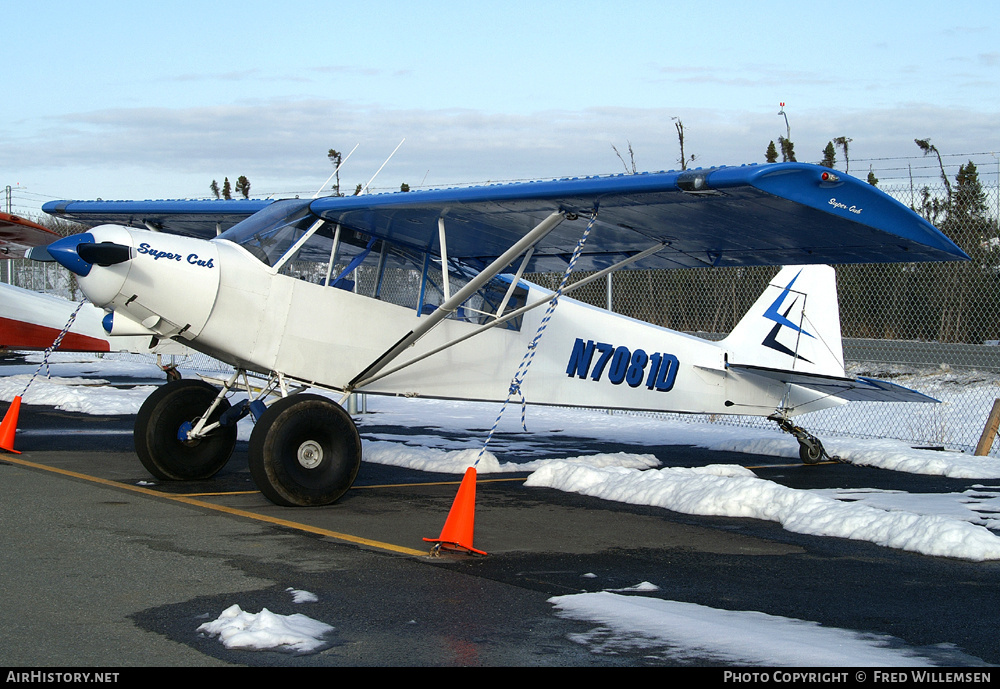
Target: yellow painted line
point(796, 464)
point(220, 508)
point(435, 483)
point(217, 494)
point(355, 487)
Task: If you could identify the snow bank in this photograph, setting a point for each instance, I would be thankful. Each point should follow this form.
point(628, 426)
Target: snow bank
point(732, 491)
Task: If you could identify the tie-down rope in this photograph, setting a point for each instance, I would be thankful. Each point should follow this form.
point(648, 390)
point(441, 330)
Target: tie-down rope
point(522, 369)
point(55, 345)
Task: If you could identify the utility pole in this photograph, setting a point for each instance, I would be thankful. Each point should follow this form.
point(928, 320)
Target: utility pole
point(8, 204)
point(994, 154)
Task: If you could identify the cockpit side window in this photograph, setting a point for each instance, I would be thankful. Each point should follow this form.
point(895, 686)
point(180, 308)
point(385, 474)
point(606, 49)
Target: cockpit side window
point(369, 266)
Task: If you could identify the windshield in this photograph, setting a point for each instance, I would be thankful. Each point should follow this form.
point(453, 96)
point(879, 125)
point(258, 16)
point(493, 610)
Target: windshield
point(269, 233)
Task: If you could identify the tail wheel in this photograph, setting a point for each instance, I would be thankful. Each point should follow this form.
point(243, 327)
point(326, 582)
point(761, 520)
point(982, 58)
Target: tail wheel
point(159, 420)
point(811, 451)
point(304, 451)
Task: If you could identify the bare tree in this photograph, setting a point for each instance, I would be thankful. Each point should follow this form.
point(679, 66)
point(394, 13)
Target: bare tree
point(631, 156)
point(680, 138)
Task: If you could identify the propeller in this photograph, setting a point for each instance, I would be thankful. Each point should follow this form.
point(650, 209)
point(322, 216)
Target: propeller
point(79, 253)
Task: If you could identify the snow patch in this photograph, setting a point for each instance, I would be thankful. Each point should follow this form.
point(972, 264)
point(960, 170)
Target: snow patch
point(267, 631)
point(681, 631)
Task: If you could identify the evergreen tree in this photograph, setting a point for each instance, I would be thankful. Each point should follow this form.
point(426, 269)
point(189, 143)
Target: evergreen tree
point(872, 179)
point(771, 155)
point(829, 156)
point(227, 191)
point(404, 187)
point(336, 159)
point(243, 186)
point(787, 150)
point(842, 141)
point(965, 287)
point(969, 199)
point(214, 188)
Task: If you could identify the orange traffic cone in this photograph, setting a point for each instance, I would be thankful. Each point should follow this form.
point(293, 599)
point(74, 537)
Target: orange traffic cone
point(458, 527)
point(9, 425)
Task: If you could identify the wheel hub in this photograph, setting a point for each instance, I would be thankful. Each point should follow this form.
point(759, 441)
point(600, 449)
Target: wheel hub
point(310, 454)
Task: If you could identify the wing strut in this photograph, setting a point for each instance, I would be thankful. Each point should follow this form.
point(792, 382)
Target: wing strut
point(448, 307)
point(443, 244)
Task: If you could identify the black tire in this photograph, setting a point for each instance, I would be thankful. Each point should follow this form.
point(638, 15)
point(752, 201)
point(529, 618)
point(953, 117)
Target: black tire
point(304, 451)
point(163, 454)
point(811, 453)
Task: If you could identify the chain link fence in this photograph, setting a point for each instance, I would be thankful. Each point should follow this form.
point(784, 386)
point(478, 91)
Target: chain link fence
point(934, 327)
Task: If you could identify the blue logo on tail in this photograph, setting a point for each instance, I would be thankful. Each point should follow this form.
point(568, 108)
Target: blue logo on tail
point(781, 320)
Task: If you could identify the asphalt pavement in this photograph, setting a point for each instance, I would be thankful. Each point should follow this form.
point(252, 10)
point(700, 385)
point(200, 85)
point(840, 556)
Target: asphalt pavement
point(102, 566)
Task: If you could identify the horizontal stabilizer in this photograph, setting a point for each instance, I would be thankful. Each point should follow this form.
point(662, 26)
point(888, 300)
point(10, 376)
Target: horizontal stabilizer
point(851, 389)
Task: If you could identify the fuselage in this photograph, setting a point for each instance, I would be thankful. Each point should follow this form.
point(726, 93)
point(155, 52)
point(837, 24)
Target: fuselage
point(221, 299)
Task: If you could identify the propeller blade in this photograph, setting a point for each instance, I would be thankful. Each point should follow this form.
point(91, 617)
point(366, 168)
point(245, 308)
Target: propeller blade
point(39, 253)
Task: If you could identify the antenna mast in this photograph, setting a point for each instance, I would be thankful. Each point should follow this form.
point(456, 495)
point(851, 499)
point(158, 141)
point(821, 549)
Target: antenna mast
point(365, 188)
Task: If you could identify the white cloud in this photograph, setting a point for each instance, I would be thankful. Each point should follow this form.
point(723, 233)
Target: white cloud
point(281, 144)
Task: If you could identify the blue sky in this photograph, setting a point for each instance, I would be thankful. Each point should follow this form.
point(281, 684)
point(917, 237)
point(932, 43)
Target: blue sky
point(134, 100)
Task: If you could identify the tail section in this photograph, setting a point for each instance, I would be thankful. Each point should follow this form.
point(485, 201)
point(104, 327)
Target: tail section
point(793, 326)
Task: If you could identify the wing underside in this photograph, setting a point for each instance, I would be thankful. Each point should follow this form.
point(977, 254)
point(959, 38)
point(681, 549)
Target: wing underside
point(786, 213)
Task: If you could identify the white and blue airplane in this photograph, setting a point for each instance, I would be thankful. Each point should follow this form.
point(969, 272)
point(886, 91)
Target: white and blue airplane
point(421, 294)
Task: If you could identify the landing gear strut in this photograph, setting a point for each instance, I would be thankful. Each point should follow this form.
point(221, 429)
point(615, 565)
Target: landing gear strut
point(811, 450)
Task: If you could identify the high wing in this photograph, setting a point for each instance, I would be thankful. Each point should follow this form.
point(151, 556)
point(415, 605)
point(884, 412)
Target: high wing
point(190, 217)
point(785, 213)
point(17, 234)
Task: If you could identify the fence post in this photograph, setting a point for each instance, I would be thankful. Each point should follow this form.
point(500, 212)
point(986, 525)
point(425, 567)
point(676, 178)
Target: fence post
point(989, 432)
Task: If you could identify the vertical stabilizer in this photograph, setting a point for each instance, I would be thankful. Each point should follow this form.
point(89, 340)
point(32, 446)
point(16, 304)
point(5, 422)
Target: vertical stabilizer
point(793, 326)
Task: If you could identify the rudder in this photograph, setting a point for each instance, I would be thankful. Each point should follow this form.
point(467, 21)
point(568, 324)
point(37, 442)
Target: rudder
point(793, 326)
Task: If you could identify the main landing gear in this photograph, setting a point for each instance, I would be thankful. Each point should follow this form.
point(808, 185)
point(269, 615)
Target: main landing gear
point(811, 450)
point(304, 449)
point(158, 442)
